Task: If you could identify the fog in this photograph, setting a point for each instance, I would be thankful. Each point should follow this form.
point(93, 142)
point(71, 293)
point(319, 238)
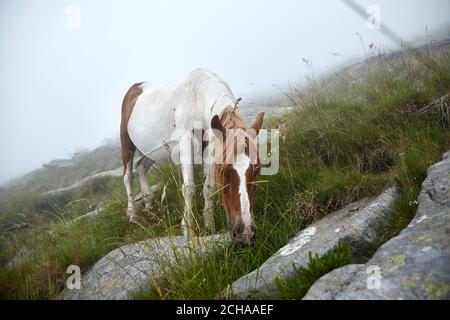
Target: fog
point(63, 75)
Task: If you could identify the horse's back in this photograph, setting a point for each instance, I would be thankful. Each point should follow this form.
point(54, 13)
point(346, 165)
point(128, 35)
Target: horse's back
point(151, 123)
point(201, 91)
point(162, 108)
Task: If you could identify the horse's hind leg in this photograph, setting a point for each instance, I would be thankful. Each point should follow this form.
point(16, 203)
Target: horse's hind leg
point(143, 165)
point(127, 158)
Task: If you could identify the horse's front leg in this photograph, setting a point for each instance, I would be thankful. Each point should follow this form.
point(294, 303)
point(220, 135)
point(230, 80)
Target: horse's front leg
point(208, 190)
point(187, 169)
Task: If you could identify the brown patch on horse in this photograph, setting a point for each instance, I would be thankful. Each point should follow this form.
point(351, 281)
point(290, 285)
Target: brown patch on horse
point(128, 147)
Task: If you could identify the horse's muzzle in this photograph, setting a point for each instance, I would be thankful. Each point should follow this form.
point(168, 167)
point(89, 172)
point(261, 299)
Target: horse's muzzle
point(247, 237)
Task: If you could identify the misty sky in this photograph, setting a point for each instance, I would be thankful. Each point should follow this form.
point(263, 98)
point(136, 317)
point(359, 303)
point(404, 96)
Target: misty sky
point(62, 86)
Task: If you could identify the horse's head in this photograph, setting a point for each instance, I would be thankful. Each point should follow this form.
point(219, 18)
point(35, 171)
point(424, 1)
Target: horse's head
point(236, 168)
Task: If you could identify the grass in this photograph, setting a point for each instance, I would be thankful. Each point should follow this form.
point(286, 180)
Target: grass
point(42, 274)
point(298, 285)
point(39, 209)
point(345, 138)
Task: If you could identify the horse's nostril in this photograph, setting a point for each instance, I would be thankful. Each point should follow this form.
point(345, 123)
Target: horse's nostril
point(237, 230)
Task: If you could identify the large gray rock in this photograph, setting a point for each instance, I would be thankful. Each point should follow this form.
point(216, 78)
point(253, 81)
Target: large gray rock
point(413, 265)
point(356, 224)
point(129, 268)
point(328, 286)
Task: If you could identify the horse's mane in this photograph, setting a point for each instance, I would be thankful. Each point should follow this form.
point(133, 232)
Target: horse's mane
point(231, 119)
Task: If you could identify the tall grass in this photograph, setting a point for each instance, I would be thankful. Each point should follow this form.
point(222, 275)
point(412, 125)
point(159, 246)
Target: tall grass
point(347, 137)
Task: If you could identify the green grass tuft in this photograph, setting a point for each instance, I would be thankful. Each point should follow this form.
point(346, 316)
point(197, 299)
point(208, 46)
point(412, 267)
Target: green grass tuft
point(298, 285)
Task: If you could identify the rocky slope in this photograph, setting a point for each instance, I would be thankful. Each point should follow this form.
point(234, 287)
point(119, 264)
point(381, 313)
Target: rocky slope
point(413, 265)
point(62, 173)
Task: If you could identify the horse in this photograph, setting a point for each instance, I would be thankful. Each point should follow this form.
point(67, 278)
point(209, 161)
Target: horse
point(158, 122)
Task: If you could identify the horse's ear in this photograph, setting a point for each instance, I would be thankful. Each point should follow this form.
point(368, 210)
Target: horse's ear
point(217, 126)
point(257, 125)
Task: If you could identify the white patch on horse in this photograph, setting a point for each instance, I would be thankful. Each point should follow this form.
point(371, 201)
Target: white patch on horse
point(303, 238)
point(241, 167)
point(128, 181)
point(153, 109)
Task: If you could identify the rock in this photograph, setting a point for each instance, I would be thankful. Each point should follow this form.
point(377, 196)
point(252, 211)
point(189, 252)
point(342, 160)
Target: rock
point(355, 224)
point(430, 108)
point(327, 287)
point(59, 163)
point(103, 158)
point(129, 268)
point(112, 173)
point(91, 213)
point(440, 108)
point(413, 265)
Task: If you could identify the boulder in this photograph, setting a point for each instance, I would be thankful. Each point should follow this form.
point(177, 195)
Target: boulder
point(355, 224)
point(328, 286)
point(413, 265)
point(129, 268)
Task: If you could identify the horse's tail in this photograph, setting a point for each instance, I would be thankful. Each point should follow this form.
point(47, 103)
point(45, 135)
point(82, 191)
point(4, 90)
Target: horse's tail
point(128, 147)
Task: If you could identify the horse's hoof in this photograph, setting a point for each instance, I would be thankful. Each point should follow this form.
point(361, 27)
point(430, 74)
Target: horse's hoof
point(155, 188)
point(131, 212)
point(133, 219)
point(149, 204)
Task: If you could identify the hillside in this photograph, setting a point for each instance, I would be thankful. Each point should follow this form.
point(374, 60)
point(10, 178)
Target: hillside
point(345, 137)
point(61, 172)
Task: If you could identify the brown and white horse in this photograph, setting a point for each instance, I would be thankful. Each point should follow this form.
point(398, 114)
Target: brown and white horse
point(158, 121)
